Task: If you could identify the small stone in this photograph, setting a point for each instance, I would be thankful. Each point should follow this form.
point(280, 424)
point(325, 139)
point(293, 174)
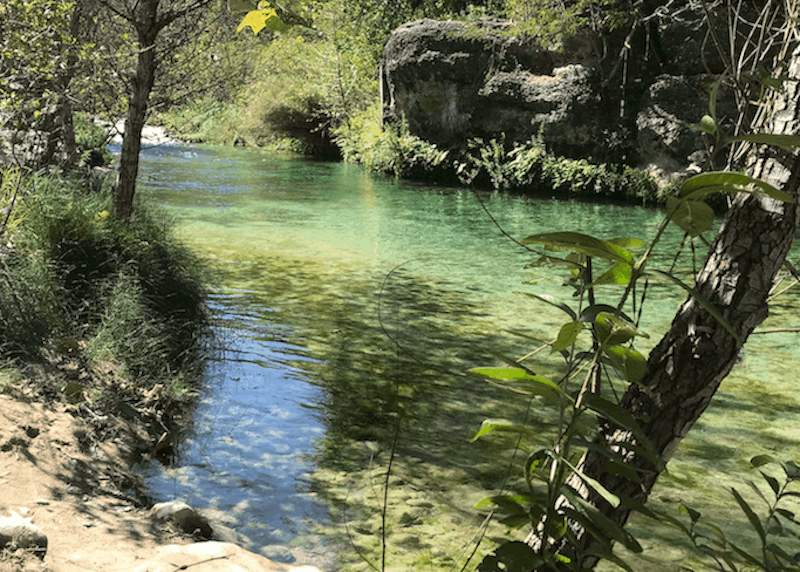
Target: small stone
point(183, 516)
point(43, 502)
point(18, 531)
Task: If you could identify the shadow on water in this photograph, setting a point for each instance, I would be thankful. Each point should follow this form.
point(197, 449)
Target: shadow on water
point(330, 348)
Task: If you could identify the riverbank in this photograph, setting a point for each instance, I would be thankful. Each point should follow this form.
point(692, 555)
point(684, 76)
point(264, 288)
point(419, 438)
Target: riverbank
point(76, 485)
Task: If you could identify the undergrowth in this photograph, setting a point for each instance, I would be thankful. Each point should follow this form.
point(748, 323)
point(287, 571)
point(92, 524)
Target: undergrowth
point(71, 273)
point(522, 167)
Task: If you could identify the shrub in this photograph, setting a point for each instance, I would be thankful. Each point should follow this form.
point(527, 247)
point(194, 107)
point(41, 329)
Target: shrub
point(126, 287)
point(91, 141)
point(391, 150)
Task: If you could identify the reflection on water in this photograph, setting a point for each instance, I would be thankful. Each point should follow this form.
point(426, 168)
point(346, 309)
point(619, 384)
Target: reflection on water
point(348, 300)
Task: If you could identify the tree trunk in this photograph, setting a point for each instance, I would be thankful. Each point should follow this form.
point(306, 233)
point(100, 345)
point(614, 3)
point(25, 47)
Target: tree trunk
point(147, 28)
point(687, 366)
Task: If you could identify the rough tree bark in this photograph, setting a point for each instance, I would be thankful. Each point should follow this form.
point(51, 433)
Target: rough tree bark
point(687, 366)
point(147, 28)
point(145, 18)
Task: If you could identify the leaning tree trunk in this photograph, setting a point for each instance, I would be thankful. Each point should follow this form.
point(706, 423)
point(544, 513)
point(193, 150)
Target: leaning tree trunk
point(147, 29)
point(687, 366)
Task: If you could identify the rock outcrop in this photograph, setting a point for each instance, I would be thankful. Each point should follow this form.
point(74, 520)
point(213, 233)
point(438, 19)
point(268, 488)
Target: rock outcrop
point(451, 81)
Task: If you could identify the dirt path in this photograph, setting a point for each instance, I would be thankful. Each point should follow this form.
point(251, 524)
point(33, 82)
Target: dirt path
point(71, 489)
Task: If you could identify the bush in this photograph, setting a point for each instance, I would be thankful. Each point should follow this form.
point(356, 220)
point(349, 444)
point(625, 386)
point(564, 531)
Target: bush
point(528, 167)
point(91, 141)
point(127, 288)
point(392, 150)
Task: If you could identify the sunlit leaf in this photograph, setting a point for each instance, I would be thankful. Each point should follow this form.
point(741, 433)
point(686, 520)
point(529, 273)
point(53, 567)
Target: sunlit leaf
point(787, 142)
point(694, 217)
point(582, 243)
point(708, 125)
point(260, 19)
point(620, 273)
point(613, 331)
point(490, 425)
point(567, 335)
point(727, 182)
point(631, 363)
point(627, 242)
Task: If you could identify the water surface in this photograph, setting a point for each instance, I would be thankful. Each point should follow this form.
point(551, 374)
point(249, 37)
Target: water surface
point(345, 298)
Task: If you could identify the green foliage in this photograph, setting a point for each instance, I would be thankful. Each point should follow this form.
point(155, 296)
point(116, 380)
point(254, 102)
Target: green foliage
point(594, 340)
point(91, 140)
point(126, 287)
point(392, 150)
point(775, 534)
point(529, 167)
point(205, 120)
point(554, 23)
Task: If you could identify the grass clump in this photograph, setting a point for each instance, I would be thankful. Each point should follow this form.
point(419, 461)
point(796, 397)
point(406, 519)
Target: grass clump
point(392, 150)
point(127, 290)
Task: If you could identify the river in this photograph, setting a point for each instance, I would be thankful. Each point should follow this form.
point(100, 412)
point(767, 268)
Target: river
point(341, 294)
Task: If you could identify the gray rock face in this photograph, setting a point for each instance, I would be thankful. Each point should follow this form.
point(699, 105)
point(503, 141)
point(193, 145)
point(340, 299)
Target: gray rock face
point(670, 107)
point(451, 81)
point(19, 532)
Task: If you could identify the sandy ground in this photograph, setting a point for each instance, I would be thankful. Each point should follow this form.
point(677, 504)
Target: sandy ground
point(73, 489)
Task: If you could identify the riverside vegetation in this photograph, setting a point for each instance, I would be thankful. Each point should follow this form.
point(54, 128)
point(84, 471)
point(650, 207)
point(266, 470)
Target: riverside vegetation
point(123, 301)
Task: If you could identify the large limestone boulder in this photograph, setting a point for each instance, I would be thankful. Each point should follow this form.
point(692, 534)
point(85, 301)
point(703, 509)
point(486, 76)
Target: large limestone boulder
point(451, 81)
point(214, 556)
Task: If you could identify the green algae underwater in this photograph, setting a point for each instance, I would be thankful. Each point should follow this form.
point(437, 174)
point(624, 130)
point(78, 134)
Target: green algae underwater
point(396, 290)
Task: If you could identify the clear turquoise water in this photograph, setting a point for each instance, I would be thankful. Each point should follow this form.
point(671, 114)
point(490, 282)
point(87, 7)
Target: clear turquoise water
point(334, 283)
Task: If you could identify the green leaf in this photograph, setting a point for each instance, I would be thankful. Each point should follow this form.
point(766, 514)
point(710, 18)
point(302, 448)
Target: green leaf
point(522, 381)
point(631, 363)
point(490, 425)
point(611, 557)
point(628, 243)
point(620, 273)
point(707, 125)
point(787, 142)
point(761, 460)
point(583, 244)
point(772, 482)
point(706, 305)
point(755, 522)
point(516, 520)
point(727, 182)
point(594, 484)
point(792, 471)
point(567, 335)
point(693, 514)
point(613, 331)
point(694, 217)
point(509, 503)
point(501, 373)
point(241, 6)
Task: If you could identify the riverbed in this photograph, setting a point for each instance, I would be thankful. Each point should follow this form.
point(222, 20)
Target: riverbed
point(352, 304)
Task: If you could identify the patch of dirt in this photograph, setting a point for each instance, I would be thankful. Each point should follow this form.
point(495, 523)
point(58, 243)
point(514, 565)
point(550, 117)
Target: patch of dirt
point(72, 478)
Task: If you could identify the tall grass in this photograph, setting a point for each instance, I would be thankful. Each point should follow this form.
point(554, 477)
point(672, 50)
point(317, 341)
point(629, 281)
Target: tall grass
point(128, 290)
